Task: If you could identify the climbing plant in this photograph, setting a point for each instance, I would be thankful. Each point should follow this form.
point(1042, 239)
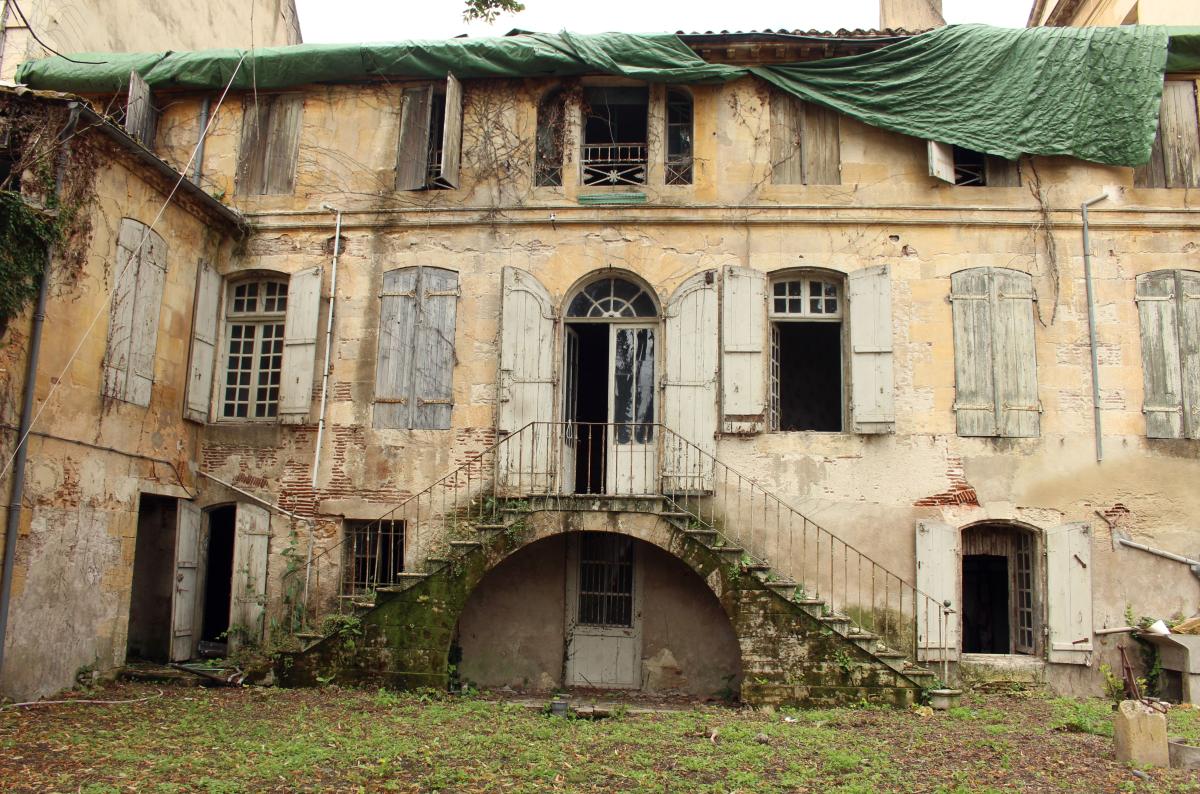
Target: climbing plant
point(25, 233)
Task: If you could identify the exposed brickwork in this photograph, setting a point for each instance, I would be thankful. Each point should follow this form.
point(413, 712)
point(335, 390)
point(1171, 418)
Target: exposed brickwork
point(960, 491)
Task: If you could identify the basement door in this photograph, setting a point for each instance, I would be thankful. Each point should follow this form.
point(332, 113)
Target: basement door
point(604, 611)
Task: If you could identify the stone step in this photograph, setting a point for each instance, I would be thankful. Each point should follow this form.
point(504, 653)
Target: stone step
point(783, 587)
point(406, 580)
point(491, 527)
point(755, 566)
point(465, 545)
point(813, 606)
point(676, 516)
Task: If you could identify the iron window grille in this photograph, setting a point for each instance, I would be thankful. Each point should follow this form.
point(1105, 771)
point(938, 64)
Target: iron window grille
point(376, 555)
point(606, 580)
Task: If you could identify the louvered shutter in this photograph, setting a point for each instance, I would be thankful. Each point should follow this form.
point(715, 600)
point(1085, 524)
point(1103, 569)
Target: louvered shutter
point(204, 342)
point(248, 590)
point(448, 169)
point(299, 346)
point(412, 158)
point(974, 384)
point(397, 338)
point(690, 385)
point(1069, 593)
point(147, 308)
point(1162, 402)
point(1017, 403)
point(1189, 349)
point(433, 354)
point(937, 583)
point(871, 380)
point(743, 332)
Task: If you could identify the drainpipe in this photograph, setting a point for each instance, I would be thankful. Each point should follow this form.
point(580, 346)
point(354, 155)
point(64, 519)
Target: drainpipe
point(337, 250)
point(1091, 315)
point(198, 170)
point(12, 525)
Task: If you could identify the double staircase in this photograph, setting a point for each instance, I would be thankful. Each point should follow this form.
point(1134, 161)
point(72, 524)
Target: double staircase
point(818, 622)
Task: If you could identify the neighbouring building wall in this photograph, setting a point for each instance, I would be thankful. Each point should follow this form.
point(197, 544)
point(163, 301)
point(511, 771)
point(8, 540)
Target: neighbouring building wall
point(70, 26)
point(1114, 12)
point(910, 14)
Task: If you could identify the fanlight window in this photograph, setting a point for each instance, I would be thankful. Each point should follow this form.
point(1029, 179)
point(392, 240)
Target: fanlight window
point(612, 297)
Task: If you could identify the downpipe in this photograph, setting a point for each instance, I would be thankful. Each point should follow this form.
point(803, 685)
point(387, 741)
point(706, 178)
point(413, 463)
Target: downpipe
point(1091, 315)
point(12, 524)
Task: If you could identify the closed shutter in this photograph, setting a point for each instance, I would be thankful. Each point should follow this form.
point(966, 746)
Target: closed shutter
point(937, 584)
point(397, 335)
point(821, 145)
point(248, 590)
point(974, 384)
point(1069, 593)
point(269, 144)
point(1180, 133)
point(139, 272)
point(1162, 402)
point(147, 308)
point(299, 346)
point(871, 380)
point(412, 158)
point(433, 354)
point(183, 602)
point(690, 386)
point(448, 169)
point(204, 343)
point(941, 161)
point(787, 123)
point(1018, 407)
point(1189, 349)
point(743, 337)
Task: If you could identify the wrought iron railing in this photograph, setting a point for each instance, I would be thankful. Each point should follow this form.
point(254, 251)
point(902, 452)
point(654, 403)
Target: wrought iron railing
point(614, 164)
point(556, 462)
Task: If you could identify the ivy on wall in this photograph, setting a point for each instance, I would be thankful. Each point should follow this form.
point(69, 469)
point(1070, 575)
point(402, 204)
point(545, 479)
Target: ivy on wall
point(25, 233)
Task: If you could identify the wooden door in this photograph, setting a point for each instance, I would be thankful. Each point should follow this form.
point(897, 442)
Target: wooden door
point(632, 454)
point(247, 600)
point(187, 560)
point(604, 621)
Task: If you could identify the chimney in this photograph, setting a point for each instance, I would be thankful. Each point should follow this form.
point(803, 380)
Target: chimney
point(910, 14)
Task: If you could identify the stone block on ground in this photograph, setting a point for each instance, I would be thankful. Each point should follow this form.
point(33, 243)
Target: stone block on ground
point(1141, 734)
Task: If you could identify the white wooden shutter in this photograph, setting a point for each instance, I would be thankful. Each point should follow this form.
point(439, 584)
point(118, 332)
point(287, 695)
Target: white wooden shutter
point(412, 158)
point(1018, 408)
point(147, 308)
point(690, 385)
point(448, 168)
point(1069, 593)
point(1189, 351)
point(433, 356)
point(871, 380)
point(1161, 371)
point(974, 376)
point(937, 578)
point(248, 593)
point(183, 602)
point(397, 335)
point(526, 352)
point(299, 346)
point(743, 337)
point(941, 161)
point(198, 401)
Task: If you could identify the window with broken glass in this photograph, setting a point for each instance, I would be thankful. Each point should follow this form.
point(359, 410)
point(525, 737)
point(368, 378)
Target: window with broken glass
point(679, 137)
point(254, 334)
point(375, 555)
point(605, 580)
point(806, 354)
point(614, 135)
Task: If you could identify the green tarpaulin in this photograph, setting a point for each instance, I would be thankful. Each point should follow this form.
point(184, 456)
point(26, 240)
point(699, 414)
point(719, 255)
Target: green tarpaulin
point(1091, 93)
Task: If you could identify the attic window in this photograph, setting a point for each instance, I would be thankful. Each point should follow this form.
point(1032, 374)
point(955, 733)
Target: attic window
point(614, 136)
point(965, 167)
point(430, 144)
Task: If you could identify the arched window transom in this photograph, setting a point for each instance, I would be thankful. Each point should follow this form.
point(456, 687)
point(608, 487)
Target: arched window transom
point(612, 297)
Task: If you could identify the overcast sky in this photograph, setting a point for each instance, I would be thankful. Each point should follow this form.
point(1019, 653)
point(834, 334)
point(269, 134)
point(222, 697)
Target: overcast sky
point(377, 20)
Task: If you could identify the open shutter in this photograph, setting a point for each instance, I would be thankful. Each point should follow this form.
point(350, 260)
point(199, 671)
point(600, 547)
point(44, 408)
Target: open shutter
point(433, 354)
point(1017, 405)
point(1161, 371)
point(1189, 349)
point(121, 317)
point(397, 338)
point(526, 381)
point(448, 169)
point(204, 342)
point(141, 119)
point(299, 346)
point(412, 159)
point(743, 332)
point(248, 592)
point(937, 578)
point(147, 308)
point(1069, 593)
point(871, 382)
point(941, 161)
point(690, 385)
point(183, 602)
point(974, 384)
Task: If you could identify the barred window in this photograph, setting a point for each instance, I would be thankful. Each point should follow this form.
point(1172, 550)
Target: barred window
point(605, 579)
point(376, 555)
point(255, 324)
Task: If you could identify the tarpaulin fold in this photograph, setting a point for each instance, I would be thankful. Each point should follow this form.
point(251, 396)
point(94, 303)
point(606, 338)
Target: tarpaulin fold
point(1091, 93)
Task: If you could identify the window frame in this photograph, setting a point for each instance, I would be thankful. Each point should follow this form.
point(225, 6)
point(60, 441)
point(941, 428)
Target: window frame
point(357, 536)
point(774, 319)
point(258, 319)
point(682, 170)
point(627, 178)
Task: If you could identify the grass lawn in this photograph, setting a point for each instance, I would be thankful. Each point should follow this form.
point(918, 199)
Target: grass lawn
point(253, 740)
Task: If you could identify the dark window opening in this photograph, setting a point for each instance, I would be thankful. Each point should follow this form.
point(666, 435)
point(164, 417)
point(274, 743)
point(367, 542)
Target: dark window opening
point(985, 613)
point(633, 386)
point(591, 407)
point(806, 376)
point(551, 135)
point(8, 157)
point(972, 168)
point(605, 579)
point(679, 137)
point(437, 129)
point(376, 555)
point(218, 576)
point(153, 589)
point(614, 136)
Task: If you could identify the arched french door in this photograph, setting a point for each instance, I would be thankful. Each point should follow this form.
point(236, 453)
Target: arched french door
point(611, 342)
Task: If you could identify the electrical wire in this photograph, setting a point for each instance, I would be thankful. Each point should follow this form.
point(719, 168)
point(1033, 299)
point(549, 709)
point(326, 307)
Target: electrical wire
point(134, 254)
point(36, 38)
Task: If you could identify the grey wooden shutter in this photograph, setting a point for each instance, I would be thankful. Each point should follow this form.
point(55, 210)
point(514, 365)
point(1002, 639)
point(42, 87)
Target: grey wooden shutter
point(1180, 132)
point(937, 583)
point(299, 345)
point(787, 123)
point(183, 601)
point(448, 169)
point(1169, 315)
point(141, 119)
point(433, 354)
point(1069, 593)
point(269, 144)
point(690, 386)
point(248, 590)
point(821, 146)
point(743, 339)
point(941, 161)
point(397, 335)
point(1189, 348)
point(138, 279)
point(207, 302)
point(1018, 409)
point(871, 381)
point(974, 382)
point(126, 263)
point(412, 157)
